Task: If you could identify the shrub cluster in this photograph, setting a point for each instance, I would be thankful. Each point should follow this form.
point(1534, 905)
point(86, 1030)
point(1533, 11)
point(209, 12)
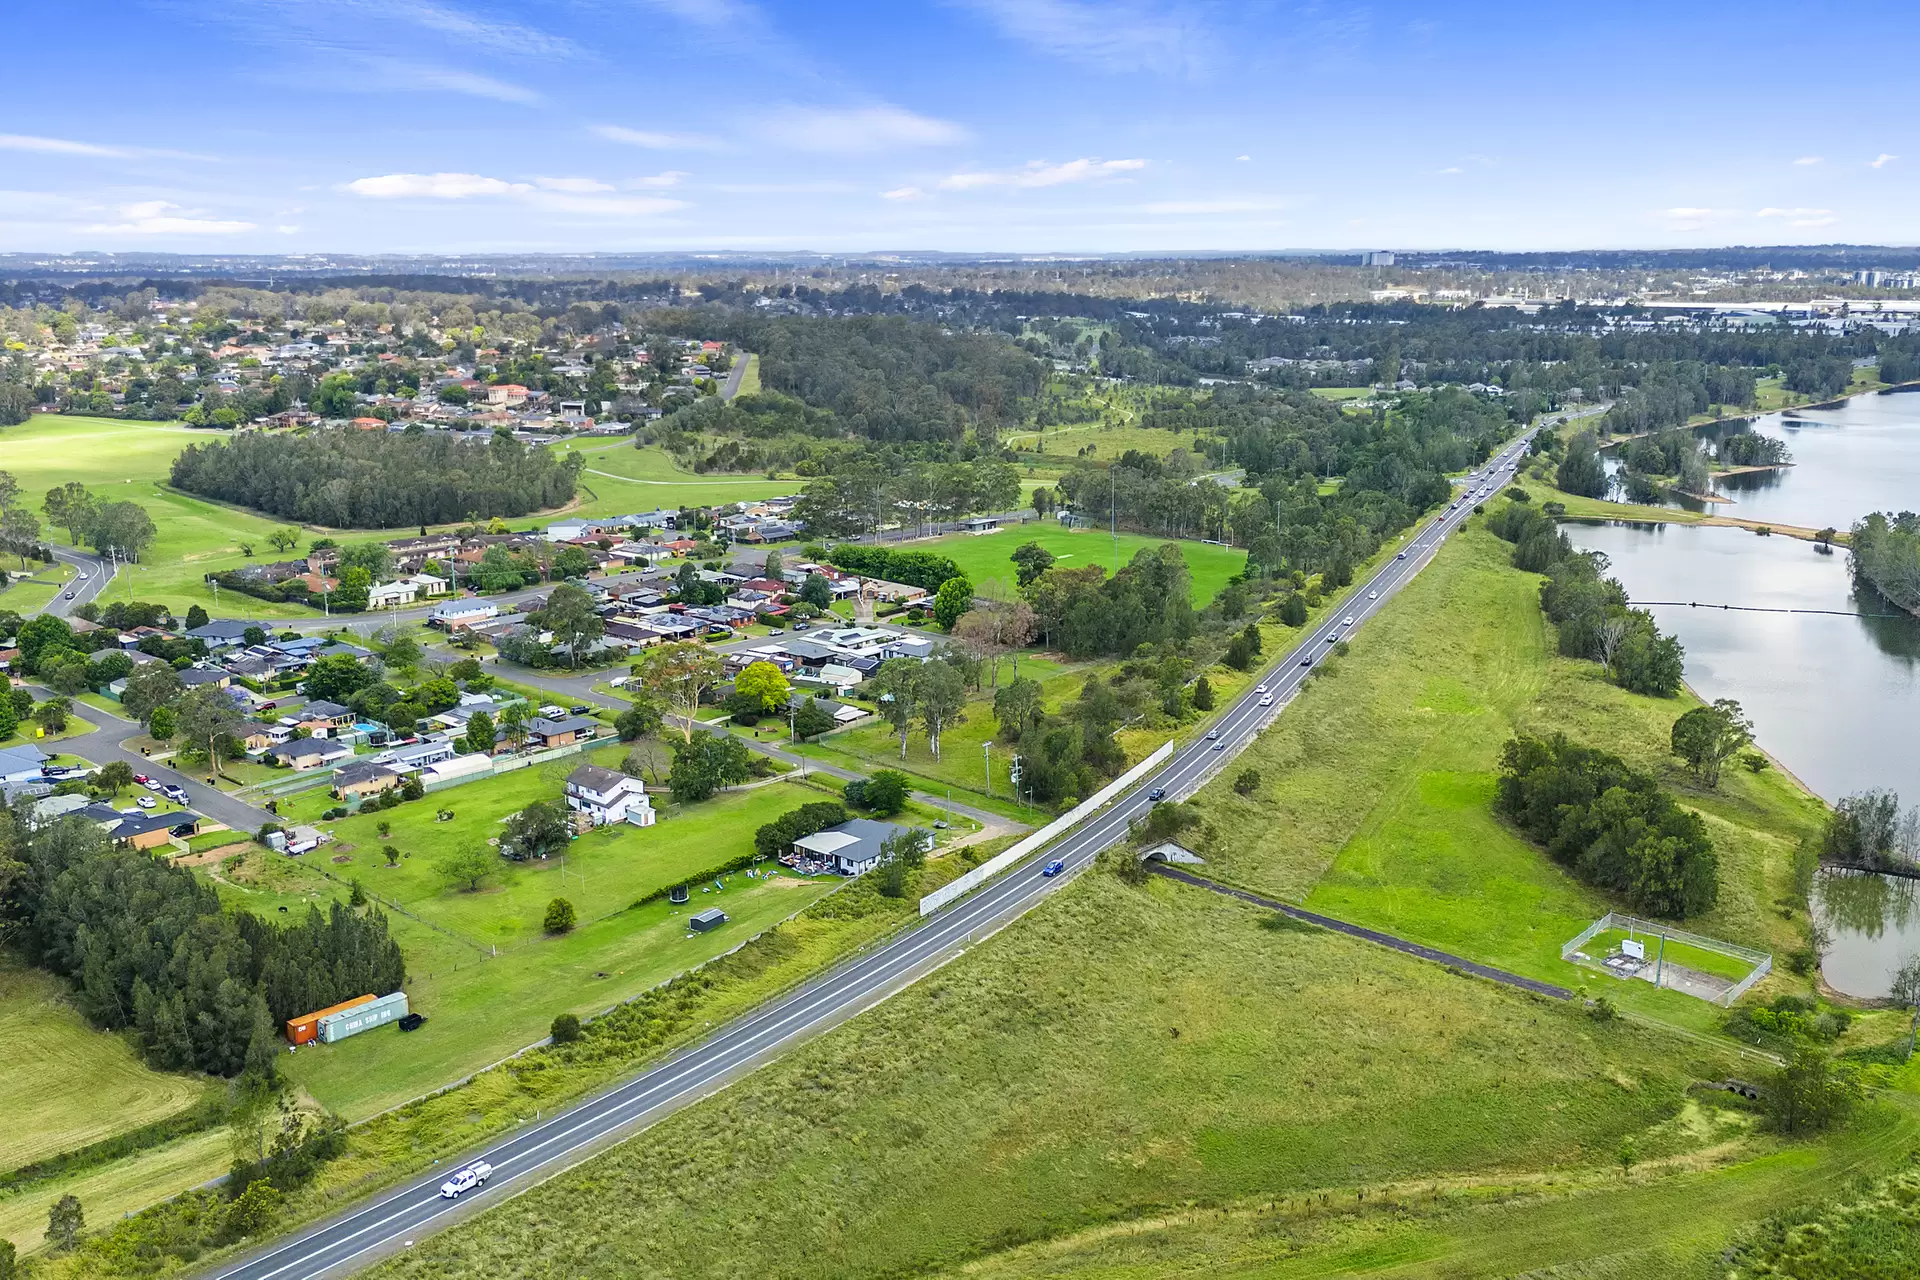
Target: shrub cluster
point(1610, 824)
point(922, 569)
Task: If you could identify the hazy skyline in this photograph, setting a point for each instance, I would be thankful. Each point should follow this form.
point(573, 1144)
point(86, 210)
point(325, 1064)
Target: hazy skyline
point(968, 125)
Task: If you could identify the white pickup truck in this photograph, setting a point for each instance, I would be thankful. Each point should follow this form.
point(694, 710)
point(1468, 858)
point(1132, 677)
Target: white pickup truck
point(474, 1175)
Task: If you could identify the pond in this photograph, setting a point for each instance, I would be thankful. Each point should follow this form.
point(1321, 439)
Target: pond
point(1874, 924)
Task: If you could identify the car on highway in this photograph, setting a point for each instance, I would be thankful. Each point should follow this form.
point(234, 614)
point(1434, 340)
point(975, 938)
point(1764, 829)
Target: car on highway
point(177, 794)
point(1259, 688)
point(1307, 661)
point(1157, 794)
point(1212, 734)
point(1220, 745)
point(1347, 621)
point(1401, 556)
point(147, 802)
point(1267, 701)
point(81, 576)
point(1373, 595)
point(67, 596)
point(1053, 868)
point(474, 1175)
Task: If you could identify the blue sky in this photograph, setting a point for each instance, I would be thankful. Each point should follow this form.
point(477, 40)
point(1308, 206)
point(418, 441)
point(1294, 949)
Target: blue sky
point(968, 125)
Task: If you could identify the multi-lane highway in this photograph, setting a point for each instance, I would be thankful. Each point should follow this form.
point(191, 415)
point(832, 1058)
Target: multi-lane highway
point(98, 571)
point(397, 1221)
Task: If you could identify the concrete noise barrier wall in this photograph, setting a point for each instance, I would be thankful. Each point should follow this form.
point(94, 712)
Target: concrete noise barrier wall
point(1046, 835)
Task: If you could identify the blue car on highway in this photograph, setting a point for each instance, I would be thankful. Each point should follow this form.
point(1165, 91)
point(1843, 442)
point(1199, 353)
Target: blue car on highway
point(1053, 868)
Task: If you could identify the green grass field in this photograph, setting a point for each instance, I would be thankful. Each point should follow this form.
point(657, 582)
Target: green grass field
point(1376, 786)
point(1119, 1055)
point(124, 1186)
point(62, 1083)
point(479, 965)
point(621, 479)
point(1342, 393)
point(983, 557)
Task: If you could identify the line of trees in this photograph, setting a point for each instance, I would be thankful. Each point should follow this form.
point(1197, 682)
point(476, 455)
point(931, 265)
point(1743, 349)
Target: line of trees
point(1885, 553)
point(353, 479)
point(927, 570)
point(1611, 825)
point(151, 951)
point(1591, 611)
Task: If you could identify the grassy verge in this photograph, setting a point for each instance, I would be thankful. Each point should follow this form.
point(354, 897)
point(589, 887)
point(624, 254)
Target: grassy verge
point(984, 557)
point(1122, 1052)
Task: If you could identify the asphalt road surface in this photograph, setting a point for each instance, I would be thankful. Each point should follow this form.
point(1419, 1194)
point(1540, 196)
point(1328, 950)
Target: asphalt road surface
point(361, 1235)
point(99, 573)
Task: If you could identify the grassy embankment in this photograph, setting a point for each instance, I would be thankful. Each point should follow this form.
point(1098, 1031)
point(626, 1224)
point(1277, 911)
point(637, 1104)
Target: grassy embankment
point(1376, 787)
point(1108, 1074)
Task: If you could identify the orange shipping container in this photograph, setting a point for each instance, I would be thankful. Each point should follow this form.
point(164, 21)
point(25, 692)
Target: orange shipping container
point(305, 1029)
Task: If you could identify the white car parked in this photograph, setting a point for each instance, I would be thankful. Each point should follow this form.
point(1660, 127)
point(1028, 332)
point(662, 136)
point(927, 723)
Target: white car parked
point(474, 1175)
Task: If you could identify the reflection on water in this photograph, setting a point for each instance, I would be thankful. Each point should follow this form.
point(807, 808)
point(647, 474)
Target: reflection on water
point(1833, 696)
point(1874, 925)
point(1859, 456)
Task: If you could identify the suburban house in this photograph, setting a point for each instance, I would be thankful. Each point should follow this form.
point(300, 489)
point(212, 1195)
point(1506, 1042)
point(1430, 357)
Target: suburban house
point(607, 796)
point(544, 733)
point(194, 677)
point(363, 778)
point(842, 713)
point(405, 591)
point(221, 633)
point(852, 847)
point(462, 613)
point(308, 753)
point(138, 829)
point(257, 737)
point(323, 718)
point(21, 763)
point(417, 756)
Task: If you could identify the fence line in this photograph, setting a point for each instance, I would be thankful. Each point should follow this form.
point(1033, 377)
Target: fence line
point(1761, 961)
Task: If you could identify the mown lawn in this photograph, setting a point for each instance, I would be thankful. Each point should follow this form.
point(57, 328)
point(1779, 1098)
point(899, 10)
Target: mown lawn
point(621, 480)
point(62, 1083)
point(1121, 1051)
point(983, 557)
point(1375, 800)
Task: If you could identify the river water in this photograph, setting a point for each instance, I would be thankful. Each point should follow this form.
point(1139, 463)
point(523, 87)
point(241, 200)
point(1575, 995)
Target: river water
point(1835, 697)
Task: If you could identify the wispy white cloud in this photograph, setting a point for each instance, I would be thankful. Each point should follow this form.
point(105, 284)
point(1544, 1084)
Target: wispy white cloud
point(706, 13)
point(434, 186)
point(1881, 161)
point(904, 193)
point(1119, 37)
point(851, 130)
point(56, 146)
point(1808, 160)
point(393, 75)
point(1452, 168)
point(556, 195)
point(575, 186)
point(669, 178)
point(162, 218)
point(653, 141)
point(500, 35)
point(1165, 208)
point(1041, 174)
point(1800, 217)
